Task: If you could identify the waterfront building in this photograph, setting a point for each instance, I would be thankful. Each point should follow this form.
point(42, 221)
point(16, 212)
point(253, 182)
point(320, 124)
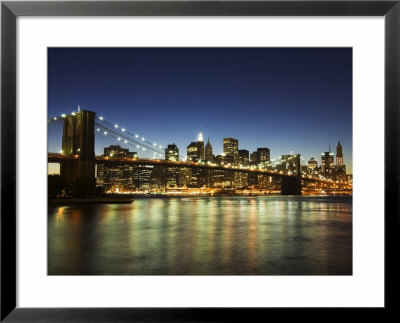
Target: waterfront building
point(118, 151)
point(339, 155)
point(172, 152)
point(231, 149)
point(254, 158)
point(141, 177)
point(208, 154)
point(263, 156)
point(243, 157)
point(312, 167)
point(172, 173)
point(193, 151)
point(327, 161)
point(116, 178)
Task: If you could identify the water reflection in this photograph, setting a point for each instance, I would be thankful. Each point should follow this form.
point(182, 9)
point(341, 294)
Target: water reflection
point(203, 236)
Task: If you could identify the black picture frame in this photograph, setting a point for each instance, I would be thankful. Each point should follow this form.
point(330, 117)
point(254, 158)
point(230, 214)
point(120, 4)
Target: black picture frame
point(10, 10)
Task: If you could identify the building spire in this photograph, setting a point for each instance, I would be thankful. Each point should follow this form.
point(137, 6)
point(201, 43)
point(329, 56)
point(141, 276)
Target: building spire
point(200, 137)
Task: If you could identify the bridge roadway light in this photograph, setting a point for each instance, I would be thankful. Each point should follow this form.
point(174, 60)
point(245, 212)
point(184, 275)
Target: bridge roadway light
point(142, 138)
point(63, 115)
point(123, 129)
point(116, 126)
point(101, 118)
point(136, 136)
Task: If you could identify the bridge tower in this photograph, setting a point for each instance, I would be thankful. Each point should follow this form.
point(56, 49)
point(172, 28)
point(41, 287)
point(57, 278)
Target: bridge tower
point(78, 139)
point(292, 185)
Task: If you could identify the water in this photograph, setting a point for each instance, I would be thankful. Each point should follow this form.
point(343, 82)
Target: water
point(270, 235)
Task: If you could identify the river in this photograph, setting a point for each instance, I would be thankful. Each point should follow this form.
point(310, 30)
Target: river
point(265, 235)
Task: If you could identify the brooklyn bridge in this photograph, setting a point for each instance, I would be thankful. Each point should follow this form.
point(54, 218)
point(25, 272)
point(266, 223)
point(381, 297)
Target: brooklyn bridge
point(81, 151)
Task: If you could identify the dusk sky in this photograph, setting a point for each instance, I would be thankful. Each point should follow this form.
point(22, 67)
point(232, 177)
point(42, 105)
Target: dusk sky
point(286, 99)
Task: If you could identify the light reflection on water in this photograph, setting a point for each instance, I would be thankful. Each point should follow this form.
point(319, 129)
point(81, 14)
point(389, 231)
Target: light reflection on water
point(271, 235)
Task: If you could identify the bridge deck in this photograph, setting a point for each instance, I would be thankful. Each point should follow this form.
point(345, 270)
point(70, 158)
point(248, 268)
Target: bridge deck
point(112, 161)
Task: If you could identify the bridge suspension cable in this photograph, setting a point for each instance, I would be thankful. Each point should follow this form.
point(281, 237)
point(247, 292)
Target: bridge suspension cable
point(125, 139)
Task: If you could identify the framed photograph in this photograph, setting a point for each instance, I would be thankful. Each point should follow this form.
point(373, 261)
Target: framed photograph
point(179, 160)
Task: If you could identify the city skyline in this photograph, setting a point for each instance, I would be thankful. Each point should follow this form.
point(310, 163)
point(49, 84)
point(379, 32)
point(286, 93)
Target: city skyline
point(257, 95)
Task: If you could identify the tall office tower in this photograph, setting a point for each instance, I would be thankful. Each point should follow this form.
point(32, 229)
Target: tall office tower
point(193, 153)
point(172, 152)
point(327, 160)
point(231, 148)
point(339, 155)
point(243, 157)
point(200, 143)
point(208, 155)
point(254, 158)
point(263, 155)
point(172, 173)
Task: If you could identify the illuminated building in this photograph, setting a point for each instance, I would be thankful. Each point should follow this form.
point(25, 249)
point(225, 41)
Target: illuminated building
point(141, 177)
point(340, 167)
point(263, 156)
point(254, 158)
point(243, 157)
point(339, 155)
point(172, 173)
point(231, 148)
point(200, 143)
point(193, 151)
point(208, 155)
point(327, 160)
point(312, 167)
point(117, 151)
point(116, 178)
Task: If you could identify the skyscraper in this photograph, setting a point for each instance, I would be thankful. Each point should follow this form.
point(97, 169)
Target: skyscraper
point(208, 156)
point(172, 152)
point(339, 155)
point(200, 143)
point(327, 161)
point(263, 155)
point(172, 173)
point(193, 152)
point(243, 157)
point(231, 148)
